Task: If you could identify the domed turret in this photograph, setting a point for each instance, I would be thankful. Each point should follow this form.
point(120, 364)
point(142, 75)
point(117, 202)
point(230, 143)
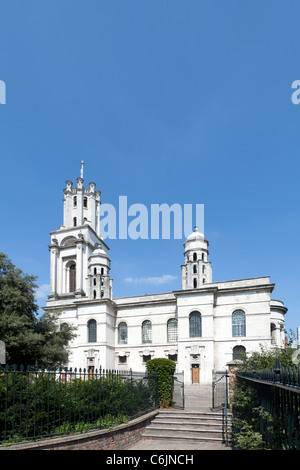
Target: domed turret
point(197, 269)
point(99, 267)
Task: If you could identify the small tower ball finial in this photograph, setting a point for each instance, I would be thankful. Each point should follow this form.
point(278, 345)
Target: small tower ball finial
point(81, 171)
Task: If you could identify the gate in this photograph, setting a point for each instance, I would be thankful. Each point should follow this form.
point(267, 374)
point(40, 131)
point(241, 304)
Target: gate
point(178, 392)
point(220, 389)
point(220, 398)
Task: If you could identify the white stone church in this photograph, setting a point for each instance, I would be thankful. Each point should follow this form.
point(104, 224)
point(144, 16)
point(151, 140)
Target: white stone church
point(202, 326)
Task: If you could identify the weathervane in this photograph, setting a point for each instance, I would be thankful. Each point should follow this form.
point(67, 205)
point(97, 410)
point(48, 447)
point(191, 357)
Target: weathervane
point(81, 171)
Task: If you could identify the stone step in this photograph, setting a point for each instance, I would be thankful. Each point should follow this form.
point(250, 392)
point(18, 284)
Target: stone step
point(193, 429)
point(187, 435)
point(192, 417)
point(188, 424)
point(214, 414)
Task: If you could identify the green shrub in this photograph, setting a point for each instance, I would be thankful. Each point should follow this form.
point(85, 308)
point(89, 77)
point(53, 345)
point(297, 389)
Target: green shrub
point(164, 368)
point(42, 404)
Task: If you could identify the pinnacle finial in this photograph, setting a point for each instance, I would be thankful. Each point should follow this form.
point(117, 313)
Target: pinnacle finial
point(81, 171)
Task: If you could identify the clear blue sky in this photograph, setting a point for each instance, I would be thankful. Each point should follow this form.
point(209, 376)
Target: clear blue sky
point(166, 101)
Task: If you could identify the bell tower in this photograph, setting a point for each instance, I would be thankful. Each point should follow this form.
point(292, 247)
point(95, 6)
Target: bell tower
point(197, 271)
point(78, 268)
point(81, 205)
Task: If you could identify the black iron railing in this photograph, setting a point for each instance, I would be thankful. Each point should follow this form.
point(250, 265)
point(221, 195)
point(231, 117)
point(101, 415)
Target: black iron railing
point(278, 396)
point(39, 402)
point(220, 400)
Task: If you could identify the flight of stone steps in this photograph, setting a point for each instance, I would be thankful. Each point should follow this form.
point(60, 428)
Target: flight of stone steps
point(188, 424)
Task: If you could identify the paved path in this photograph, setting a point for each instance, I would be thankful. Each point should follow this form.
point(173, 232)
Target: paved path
point(196, 397)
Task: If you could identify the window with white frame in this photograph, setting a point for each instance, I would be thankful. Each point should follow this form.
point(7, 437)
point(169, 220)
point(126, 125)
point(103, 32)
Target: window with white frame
point(195, 325)
point(147, 331)
point(238, 323)
point(172, 330)
point(122, 333)
point(92, 331)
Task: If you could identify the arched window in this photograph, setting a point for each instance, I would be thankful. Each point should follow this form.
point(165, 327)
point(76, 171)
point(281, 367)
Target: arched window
point(75, 201)
point(195, 269)
point(195, 325)
point(239, 352)
point(147, 332)
point(238, 323)
point(92, 331)
point(72, 278)
point(195, 282)
point(85, 201)
point(172, 330)
point(194, 256)
point(94, 294)
point(122, 333)
point(74, 221)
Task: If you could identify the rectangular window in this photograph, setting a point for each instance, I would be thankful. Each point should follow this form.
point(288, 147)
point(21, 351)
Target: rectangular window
point(146, 358)
point(173, 357)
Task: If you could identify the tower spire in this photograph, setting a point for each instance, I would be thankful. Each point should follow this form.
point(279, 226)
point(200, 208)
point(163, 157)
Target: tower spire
point(81, 171)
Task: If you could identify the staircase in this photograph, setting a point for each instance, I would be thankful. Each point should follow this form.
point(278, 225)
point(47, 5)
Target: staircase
point(201, 425)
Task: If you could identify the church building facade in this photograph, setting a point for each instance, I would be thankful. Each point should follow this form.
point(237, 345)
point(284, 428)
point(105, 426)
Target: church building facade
point(202, 326)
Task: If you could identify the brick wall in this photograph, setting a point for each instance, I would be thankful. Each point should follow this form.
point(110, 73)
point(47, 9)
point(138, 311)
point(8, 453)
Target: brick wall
point(118, 438)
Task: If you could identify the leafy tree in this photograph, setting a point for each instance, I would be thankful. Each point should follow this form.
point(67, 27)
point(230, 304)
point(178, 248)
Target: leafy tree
point(266, 357)
point(28, 338)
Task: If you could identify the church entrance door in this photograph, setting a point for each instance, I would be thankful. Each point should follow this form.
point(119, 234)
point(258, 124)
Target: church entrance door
point(195, 373)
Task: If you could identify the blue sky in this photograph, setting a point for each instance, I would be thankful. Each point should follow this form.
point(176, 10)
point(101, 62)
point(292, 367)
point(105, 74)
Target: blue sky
point(167, 102)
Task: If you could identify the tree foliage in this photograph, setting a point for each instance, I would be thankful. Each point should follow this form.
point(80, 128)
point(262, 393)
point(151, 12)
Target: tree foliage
point(265, 358)
point(246, 406)
point(28, 338)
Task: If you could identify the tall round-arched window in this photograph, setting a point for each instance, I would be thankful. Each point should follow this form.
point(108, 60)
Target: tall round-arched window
point(92, 331)
point(195, 325)
point(172, 330)
point(72, 278)
point(122, 333)
point(238, 323)
point(147, 331)
point(239, 352)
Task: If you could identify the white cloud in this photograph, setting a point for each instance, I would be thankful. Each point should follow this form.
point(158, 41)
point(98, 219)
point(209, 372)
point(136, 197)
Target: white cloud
point(165, 278)
point(42, 291)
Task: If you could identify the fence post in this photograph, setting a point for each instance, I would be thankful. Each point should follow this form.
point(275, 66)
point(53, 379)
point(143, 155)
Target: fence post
point(183, 397)
point(277, 371)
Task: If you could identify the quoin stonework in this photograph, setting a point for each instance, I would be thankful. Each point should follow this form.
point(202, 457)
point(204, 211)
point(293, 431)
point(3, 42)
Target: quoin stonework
point(202, 326)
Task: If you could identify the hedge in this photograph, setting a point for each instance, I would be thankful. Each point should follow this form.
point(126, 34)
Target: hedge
point(164, 368)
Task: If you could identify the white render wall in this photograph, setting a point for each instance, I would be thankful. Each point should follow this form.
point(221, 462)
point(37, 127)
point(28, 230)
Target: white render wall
point(212, 351)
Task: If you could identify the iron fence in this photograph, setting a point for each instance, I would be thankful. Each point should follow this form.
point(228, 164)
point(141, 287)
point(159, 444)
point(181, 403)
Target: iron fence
point(220, 399)
point(278, 399)
point(43, 402)
point(219, 389)
point(178, 390)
